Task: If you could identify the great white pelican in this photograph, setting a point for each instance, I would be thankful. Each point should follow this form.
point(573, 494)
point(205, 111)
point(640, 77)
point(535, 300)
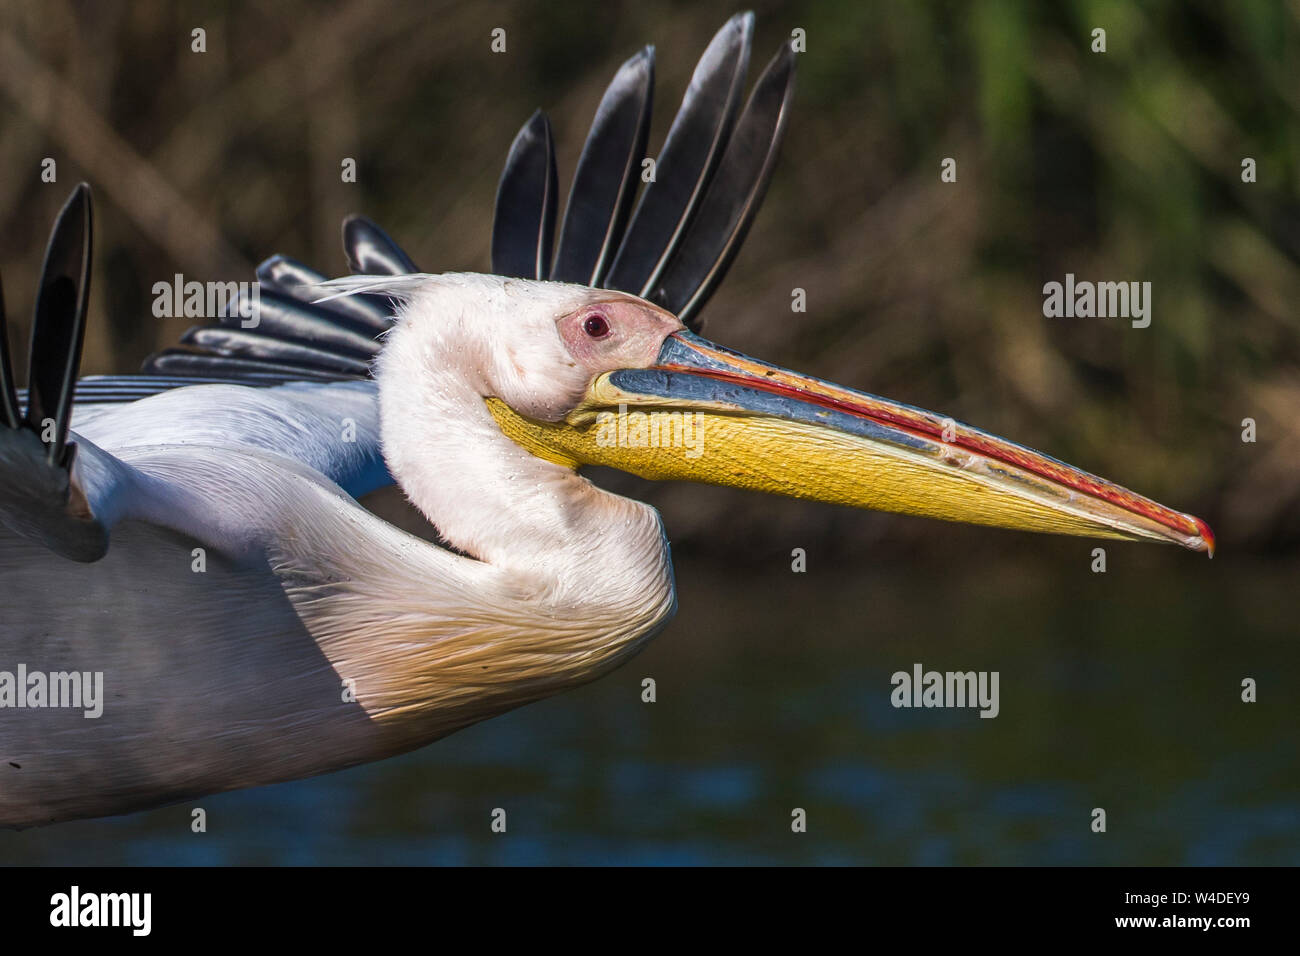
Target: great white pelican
point(187, 545)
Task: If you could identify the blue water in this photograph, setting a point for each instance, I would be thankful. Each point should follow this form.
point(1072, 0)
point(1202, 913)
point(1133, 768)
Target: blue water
point(1119, 691)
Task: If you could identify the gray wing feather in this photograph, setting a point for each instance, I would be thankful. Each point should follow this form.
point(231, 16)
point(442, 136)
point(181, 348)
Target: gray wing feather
point(130, 458)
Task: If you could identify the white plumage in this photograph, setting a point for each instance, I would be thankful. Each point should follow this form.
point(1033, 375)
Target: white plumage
point(204, 547)
point(307, 599)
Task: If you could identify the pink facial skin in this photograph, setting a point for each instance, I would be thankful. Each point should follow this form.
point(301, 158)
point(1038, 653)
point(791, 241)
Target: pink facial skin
point(618, 332)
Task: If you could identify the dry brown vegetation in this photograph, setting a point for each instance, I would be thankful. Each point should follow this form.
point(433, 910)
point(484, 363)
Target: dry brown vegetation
point(1116, 166)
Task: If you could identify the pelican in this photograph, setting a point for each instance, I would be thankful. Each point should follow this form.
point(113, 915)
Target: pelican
point(189, 546)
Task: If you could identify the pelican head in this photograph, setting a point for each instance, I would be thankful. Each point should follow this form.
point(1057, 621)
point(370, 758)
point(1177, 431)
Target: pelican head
point(582, 376)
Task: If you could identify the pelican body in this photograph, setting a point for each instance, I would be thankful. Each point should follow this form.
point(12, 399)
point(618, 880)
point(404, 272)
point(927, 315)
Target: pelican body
point(195, 535)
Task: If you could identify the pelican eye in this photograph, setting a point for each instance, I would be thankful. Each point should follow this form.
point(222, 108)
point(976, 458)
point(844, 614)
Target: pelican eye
point(596, 325)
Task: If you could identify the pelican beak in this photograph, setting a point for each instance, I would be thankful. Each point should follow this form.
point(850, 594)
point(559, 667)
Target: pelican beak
point(705, 413)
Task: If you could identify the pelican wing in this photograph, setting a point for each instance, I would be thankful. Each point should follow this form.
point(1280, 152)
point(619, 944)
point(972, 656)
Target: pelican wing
point(525, 216)
point(69, 472)
point(52, 489)
point(604, 184)
point(687, 161)
point(702, 190)
point(284, 335)
point(718, 228)
point(672, 245)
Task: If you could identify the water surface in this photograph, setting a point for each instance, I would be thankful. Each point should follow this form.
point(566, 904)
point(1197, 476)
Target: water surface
point(1119, 691)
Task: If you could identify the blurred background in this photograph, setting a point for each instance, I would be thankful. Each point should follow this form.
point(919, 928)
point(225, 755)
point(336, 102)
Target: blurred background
point(1120, 689)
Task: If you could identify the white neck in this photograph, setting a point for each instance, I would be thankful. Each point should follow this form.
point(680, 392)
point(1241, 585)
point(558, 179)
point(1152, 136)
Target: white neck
point(563, 581)
point(537, 521)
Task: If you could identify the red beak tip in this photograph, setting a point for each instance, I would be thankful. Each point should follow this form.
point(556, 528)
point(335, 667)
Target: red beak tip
point(1207, 535)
